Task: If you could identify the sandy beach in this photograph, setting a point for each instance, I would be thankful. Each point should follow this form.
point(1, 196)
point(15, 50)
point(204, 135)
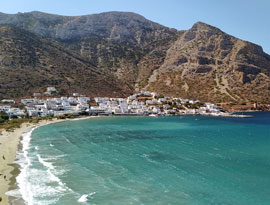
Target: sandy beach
point(9, 144)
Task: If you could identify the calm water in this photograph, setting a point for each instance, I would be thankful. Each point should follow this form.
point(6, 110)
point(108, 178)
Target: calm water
point(144, 160)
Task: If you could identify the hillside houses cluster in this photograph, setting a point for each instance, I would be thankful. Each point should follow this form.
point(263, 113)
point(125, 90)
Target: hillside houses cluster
point(143, 103)
point(55, 106)
point(12, 111)
point(150, 103)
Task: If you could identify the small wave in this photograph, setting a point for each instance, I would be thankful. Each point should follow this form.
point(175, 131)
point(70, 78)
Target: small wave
point(53, 177)
point(50, 167)
point(68, 140)
point(44, 163)
point(30, 184)
point(145, 155)
point(55, 157)
point(85, 197)
point(51, 145)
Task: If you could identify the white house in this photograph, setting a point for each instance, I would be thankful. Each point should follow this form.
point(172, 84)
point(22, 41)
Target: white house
point(51, 89)
point(123, 107)
point(37, 94)
point(8, 101)
point(5, 108)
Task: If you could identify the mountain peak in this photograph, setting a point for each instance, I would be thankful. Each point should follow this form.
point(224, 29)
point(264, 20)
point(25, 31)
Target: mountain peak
point(204, 26)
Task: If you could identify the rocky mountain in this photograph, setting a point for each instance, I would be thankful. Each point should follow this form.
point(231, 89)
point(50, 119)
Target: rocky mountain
point(119, 26)
point(208, 64)
point(113, 40)
point(201, 63)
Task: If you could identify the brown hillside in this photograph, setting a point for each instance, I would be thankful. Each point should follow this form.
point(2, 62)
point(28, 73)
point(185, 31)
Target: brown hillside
point(30, 63)
point(207, 64)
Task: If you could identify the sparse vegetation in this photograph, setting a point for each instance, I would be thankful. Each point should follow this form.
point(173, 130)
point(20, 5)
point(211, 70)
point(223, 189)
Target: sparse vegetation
point(3, 117)
point(10, 125)
point(67, 116)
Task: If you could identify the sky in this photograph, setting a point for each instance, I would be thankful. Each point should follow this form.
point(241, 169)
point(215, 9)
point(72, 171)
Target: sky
point(245, 19)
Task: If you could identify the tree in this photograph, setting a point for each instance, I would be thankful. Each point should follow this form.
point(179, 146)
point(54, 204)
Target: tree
point(84, 113)
point(2, 120)
point(62, 91)
point(4, 116)
point(14, 117)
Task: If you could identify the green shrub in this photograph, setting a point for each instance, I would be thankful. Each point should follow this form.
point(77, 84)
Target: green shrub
point(2, 120)
point(187, 104)
point(67, 116)
point(4, 116)
point(84, 113)
point(14, 117)
point(197, 105)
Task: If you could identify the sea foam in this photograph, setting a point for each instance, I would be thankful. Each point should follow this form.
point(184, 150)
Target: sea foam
point(24, 186)
point(30, 182)
point(52, 177)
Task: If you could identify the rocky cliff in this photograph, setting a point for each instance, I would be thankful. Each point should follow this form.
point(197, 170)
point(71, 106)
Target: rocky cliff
point(210, 65)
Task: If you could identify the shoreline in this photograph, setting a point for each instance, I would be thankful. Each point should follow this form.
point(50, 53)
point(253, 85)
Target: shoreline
point(10, 144)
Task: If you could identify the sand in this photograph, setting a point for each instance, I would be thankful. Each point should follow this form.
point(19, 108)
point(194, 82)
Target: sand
point(9, 144)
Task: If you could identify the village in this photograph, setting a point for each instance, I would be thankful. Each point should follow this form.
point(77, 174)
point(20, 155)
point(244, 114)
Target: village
point(143, 103)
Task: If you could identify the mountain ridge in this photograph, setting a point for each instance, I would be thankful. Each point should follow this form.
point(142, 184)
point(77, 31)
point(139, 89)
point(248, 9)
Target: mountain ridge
point(202, 62)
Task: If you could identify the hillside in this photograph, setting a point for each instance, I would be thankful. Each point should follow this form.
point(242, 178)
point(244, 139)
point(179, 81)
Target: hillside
point(115, 41)
point(30, 63)
point(200, 63)
point(210, 65)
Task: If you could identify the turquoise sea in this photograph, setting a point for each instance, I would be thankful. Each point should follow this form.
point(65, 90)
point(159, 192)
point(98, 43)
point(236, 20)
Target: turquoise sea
point(146, 160)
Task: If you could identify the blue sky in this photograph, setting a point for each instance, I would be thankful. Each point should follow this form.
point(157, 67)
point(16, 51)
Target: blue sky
point(245, 19)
